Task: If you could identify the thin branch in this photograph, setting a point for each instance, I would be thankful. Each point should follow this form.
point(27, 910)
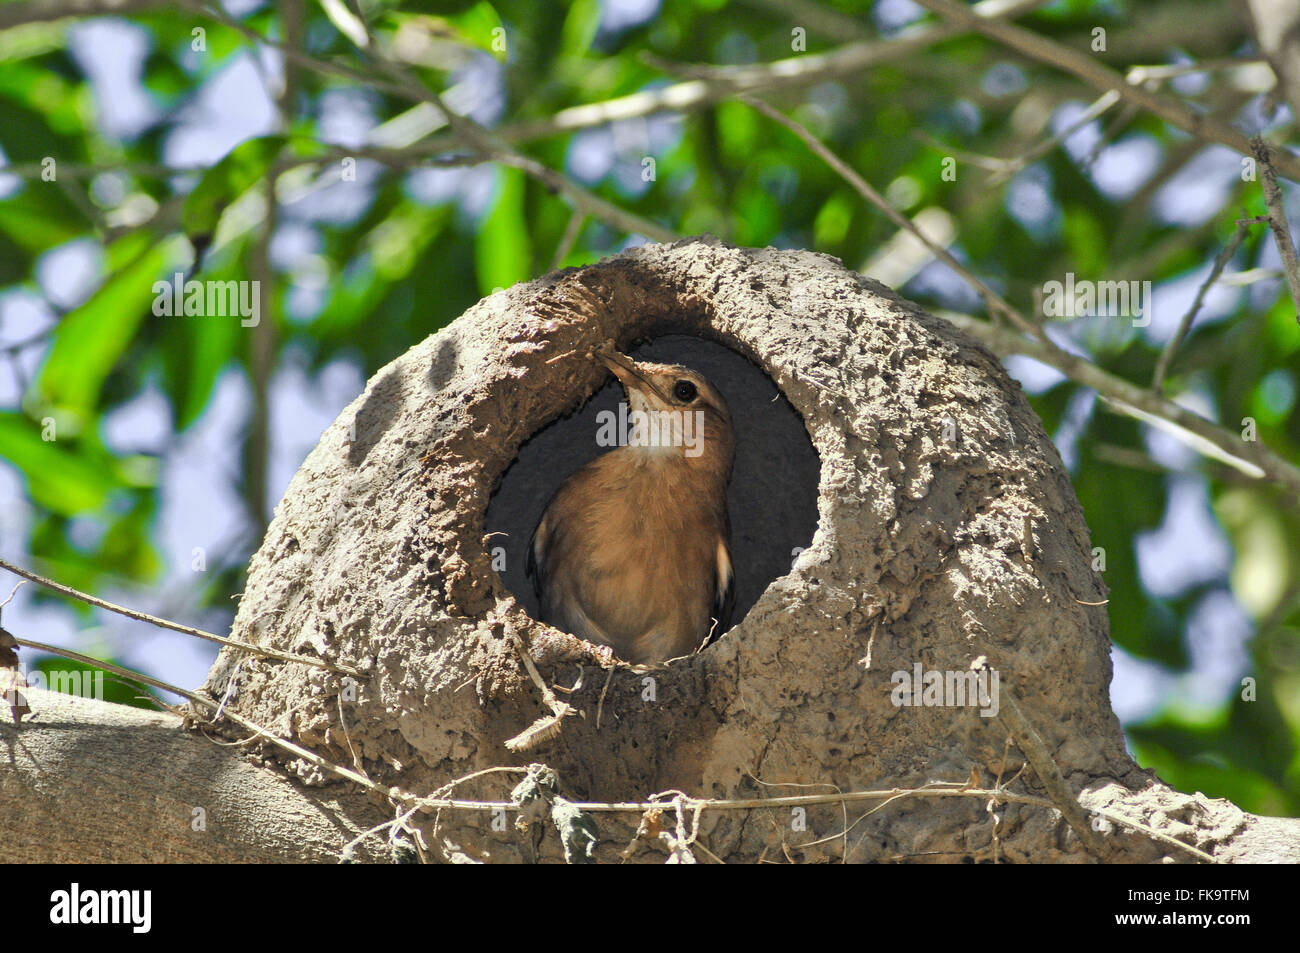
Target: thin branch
point(996, 304)
point(408, 157)
point(1277, 219)
point(713, 84)
point(494, 148)
point(816, 17)
point(41, 337)
point(1002, 169)
point(569, 238)
point(43, 11)
point(1087, 68)
point(548, 726)
point(588, 202)
point(214, 12)
point(13, 592)
point(1163, 71)
point(1103, 103)
point(258, 730)
point(952, 789)
point(174, 626)
point(1049, 773)
point(262, 343)
point(117, 670)
point(1251, 458)
point(1118, 123)
point(1184, 326)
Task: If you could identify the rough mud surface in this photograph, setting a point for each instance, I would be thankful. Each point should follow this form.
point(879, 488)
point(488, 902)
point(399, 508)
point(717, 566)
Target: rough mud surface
point(947, 530)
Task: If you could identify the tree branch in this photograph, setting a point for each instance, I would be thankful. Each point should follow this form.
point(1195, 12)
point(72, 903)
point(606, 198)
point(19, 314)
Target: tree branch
point(90, 781)
point(1184, 326)
point(43, 11)
point(1051, 53)
point(995, 302)
point(1277, 218)
point(712, 84)
point(1251, 458)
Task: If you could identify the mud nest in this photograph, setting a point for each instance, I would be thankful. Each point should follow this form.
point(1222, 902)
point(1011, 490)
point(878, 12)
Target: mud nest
point(937, 526)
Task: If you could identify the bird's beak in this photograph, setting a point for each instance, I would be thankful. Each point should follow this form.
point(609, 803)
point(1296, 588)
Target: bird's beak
point(629, 375)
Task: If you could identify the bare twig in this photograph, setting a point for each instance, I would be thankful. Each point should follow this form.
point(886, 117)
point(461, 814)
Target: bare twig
point(569, 238)
point(106, 666)
point(548, 726)
point(437, 801)
point(175, 626)
point(291, 51)
point(1049, 774)
point(586, 201)
point(1277, 218)
point(718, 83)
point(1091, 71)
point(10, 598)
point(1011, 166)
point(600, 706)
point(490, 146)
point(582, 200)
point(844, 811)
point(1252, 458)
point(938, 789)
point(996, 304)
point(1184, 326)
point(43, 11)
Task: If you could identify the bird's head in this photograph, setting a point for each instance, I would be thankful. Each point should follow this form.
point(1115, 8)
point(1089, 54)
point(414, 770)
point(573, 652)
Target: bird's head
point(676, 414)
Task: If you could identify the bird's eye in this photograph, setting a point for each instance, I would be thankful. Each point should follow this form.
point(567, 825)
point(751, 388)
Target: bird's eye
point(685, 391)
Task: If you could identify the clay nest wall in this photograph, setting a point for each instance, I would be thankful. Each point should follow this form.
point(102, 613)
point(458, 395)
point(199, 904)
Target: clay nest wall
point(946, 530)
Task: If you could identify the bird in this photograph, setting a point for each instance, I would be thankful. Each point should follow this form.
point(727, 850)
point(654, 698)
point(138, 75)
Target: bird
point(633, 551)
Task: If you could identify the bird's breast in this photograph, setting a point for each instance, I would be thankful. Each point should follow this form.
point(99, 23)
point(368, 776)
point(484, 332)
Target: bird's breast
point(634, 557)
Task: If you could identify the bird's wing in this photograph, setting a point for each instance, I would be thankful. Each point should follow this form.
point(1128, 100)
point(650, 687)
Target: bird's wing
point(724, 592)
point(535, 568)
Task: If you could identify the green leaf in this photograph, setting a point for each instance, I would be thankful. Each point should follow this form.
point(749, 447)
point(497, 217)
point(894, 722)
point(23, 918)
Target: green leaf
point(196, 349)
point(833, 221)
point(1085, 242)
point(39, 218)
point(212, 343)
point(502, 250)
point(580, 27)
point(58, 478)
point(238, 171)
point(71, 677)
point(91, 338)
point(35, 121)
point(479, 24)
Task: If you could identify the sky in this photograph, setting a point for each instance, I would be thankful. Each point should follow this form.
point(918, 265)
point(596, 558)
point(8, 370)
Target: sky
point(199, 503)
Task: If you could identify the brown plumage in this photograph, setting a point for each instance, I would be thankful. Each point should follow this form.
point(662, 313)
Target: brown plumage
point(633, 549)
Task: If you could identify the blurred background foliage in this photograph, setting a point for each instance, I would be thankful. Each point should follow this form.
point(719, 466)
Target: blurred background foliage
point(141, 454)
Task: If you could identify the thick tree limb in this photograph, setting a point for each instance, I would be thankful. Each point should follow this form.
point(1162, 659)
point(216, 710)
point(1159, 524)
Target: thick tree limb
point(93, 782)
